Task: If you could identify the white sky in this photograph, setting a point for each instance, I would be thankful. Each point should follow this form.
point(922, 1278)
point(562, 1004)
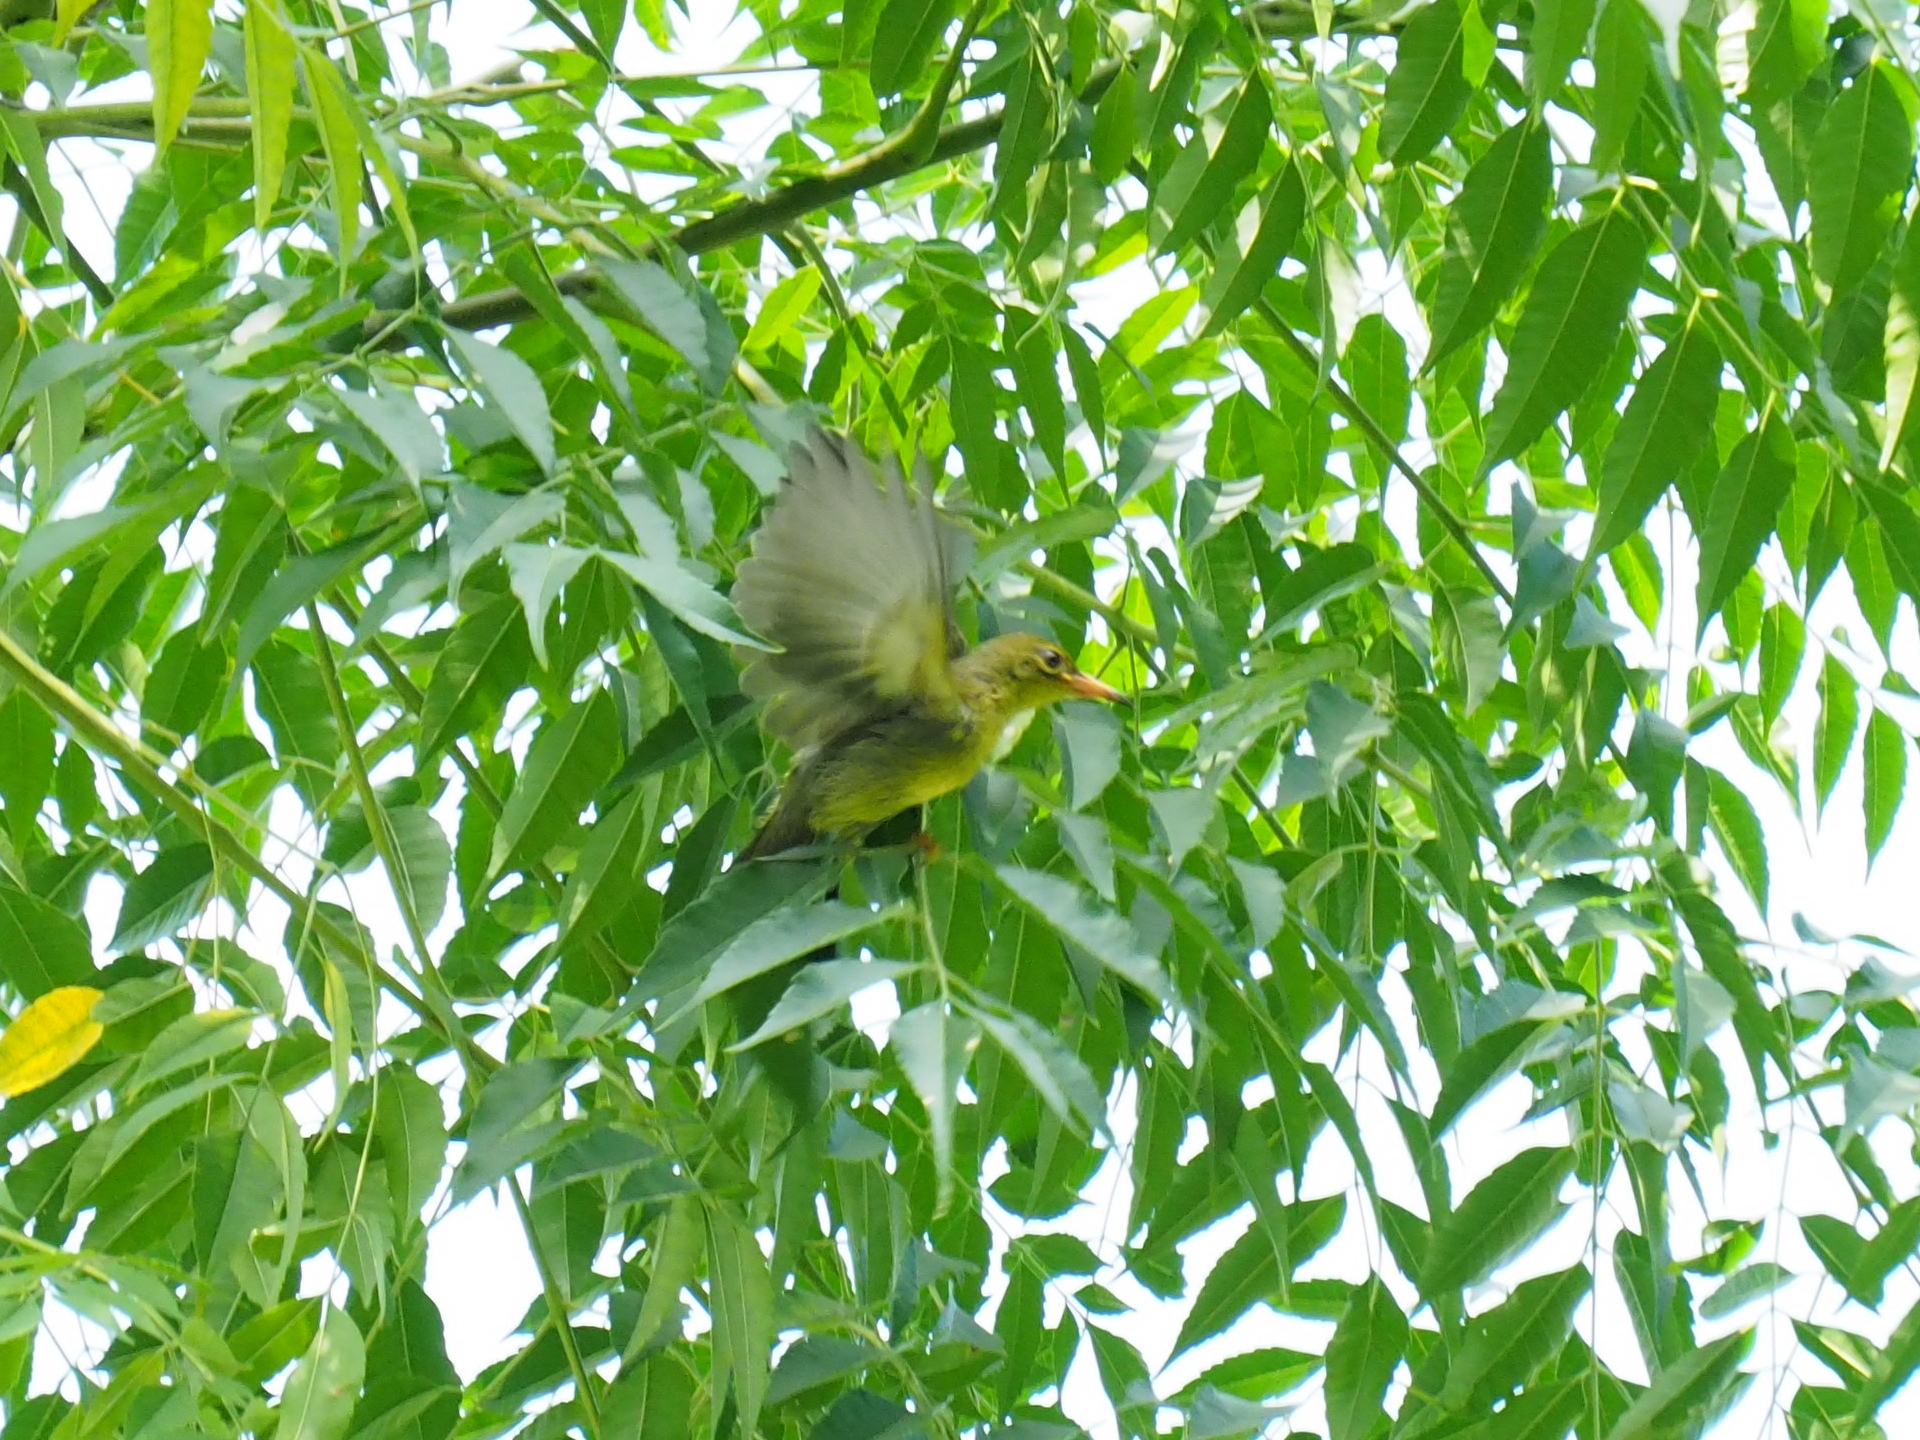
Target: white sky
point(477, 1265)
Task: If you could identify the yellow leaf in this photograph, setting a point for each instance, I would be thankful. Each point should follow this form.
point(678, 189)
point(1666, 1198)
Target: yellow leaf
point(179, 35)
point(48, 1038)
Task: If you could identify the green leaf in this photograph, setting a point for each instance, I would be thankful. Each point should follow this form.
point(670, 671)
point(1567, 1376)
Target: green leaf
point(1900, 532)
point(742, 1314)
point(904, 42)
point(1560, 30)
point(1479, 1067)
point(688, 943)
point(1263, 237)
point(422, 863)
point(1783, 644)
point(1825, 1412)
point(1097, 931)
point(334, 115)
point(320, 1394)
point(293, 701)
point(537, 575)
point(1887, 1250)
point(605, 19)
point(1183, 211)
point(686, 321)
point(179, 38)
point(1090, 751)
point(1361, 1357)
point(399, 423)
point(1057, 1074)
point(821, 989)
point(1250, 1270)
point(1115, 127)
point(409, 1120)
point(512, 387)
point(1469, 626)
point(786, 934)
point(1839, 1248)
point(1787, 42)
point(1375, 364)
point(693, 602)
point(1500, 1216)
point(480, 522)
point(26, 763)
point(603, 880)
point(300, 580)
point(481, 663)
point(1747, 495)
point(1833, 735)
point(653, 1398)
point(191, 1041)
point(1686, 1389)
point(1494, 227)
point(1747, 1284)
point(271, 65)
point(1567, 330)
point(41, 948)
point(1884, 760)
point(784, 305)
point(1427, 89)
point(1658, 437)
point(566, 763)
point(513, 1119)
point(182, 686)
point(1737, 827)
point(1902, 348)
point(932, 1045)
point(235, 1191)
point(272, 1340)
point(1507, 1345)
point(163, 898)
point(1861, 164)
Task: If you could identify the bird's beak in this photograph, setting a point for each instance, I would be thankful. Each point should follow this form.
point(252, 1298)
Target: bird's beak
point(1088, 688)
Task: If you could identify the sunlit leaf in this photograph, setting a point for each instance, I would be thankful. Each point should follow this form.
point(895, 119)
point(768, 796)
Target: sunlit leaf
point(48, 1038)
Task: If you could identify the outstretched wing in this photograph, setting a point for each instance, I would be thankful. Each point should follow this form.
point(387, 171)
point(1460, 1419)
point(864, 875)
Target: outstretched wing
point(852, 576)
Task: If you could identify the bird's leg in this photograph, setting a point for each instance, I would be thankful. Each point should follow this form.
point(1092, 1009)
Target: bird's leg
point(924, 847)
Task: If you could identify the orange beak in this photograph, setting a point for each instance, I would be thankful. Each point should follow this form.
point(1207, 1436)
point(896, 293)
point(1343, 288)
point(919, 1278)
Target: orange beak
point(1088, 688)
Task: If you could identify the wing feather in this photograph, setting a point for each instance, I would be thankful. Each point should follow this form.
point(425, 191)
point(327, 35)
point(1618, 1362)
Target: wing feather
point(851, 574)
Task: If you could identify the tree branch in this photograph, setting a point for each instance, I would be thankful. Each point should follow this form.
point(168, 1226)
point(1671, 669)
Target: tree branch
point(99, 734)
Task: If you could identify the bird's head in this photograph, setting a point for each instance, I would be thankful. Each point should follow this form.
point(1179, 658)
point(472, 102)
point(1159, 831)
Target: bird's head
point(1025, 672)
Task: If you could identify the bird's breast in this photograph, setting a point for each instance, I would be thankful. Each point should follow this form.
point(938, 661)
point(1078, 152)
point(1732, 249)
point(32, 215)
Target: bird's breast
point(898, 765)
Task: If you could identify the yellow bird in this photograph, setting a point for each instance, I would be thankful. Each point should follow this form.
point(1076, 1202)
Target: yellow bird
point(873, 686)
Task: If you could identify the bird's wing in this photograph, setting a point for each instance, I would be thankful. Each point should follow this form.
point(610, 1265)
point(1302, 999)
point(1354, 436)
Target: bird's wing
point(852, 576)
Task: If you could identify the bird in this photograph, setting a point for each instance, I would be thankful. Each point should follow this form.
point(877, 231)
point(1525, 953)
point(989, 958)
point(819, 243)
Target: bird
point(851, 575)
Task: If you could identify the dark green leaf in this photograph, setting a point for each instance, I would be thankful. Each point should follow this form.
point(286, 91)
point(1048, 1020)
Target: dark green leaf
point(1493, 230)
point(1658, 437)
point(1427, 89)
point(1361, 1357)
point(1566, 332)
point(1747, 495)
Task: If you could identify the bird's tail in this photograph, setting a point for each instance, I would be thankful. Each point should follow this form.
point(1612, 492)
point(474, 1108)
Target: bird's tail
point(784, 829)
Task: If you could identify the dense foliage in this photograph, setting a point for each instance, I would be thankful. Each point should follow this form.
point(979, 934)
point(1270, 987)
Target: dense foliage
point(366, 675)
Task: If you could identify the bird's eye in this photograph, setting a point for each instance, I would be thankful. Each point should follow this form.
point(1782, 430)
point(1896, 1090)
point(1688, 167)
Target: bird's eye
point(1052, 661)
